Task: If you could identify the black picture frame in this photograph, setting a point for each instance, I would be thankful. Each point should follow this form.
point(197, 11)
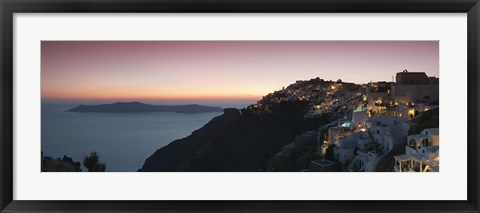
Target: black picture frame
point(9, 7)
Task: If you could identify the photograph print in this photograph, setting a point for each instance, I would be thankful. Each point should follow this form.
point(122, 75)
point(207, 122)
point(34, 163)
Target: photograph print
point(240, 106)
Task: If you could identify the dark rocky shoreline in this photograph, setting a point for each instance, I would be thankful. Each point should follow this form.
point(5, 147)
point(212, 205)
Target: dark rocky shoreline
point(236, 141)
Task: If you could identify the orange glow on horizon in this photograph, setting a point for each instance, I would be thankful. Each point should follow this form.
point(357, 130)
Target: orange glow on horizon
point(152, 97)
point(139, 92)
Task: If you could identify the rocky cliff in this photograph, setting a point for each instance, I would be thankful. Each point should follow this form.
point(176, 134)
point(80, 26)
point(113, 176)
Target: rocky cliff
point(237, 140)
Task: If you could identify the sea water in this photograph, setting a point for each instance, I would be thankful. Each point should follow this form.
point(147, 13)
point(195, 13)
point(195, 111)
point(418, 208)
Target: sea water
point(122, 140)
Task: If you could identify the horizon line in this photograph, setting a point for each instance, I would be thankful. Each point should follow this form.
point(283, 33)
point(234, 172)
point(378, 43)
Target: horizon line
point(150, 99)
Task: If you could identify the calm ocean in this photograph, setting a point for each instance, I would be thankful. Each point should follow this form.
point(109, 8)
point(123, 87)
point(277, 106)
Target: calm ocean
point(123, 140)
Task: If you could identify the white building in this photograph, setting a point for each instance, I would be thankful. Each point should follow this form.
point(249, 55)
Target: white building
point(387, 131)
point(360, 148)
point(421, 153)
point(364, 162)
point(426, 160)
point(365, 144)
point(359, 118)
point(428, 137)
point(434, 134)
point(415, 87)
point(343, 155)
point(338, 132)
point(347, 146)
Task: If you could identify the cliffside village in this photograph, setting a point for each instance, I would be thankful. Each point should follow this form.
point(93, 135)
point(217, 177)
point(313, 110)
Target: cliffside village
point(371, 125)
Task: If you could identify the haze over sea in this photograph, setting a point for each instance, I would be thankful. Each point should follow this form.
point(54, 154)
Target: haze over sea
point(122, 140)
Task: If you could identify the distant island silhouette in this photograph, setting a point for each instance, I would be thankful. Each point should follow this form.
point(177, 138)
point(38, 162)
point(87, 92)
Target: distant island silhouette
point(135, 107)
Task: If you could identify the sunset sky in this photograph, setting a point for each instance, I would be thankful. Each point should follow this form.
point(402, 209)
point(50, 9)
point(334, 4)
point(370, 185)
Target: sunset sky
point(236, 70)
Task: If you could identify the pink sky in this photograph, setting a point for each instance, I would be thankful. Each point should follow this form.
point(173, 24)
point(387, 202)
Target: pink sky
point(173, 70)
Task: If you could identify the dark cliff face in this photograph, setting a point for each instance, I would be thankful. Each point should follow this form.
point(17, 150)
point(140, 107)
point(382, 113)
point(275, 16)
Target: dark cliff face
point(233, 141)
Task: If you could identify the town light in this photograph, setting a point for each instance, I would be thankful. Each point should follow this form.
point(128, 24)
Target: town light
point(411, 112)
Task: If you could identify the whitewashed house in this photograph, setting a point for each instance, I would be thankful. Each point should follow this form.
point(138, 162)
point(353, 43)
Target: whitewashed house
point(421, 153)
point(347, 146)
point(364, 144)
point(433, 133)
point(364, 162)
point(428, 137)
point(387, 131)
point(359, 118)
point(335, 134)
point(427, 160)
